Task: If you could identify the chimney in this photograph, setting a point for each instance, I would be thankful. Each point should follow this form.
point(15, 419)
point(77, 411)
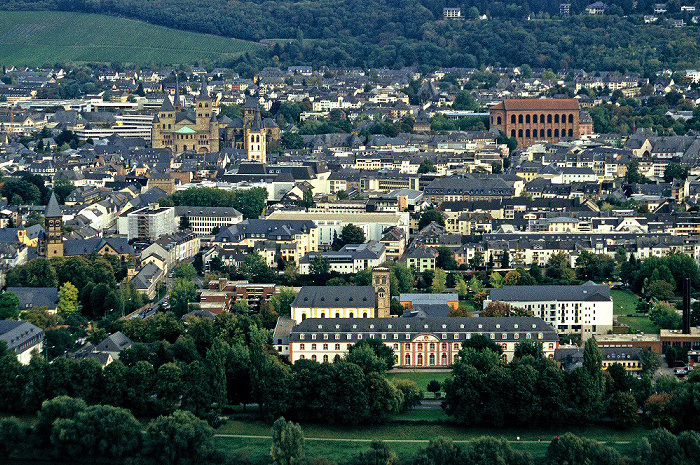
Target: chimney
point(686, 305)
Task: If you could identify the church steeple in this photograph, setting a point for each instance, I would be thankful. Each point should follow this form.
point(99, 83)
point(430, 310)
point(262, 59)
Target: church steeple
point(53, 230)
point(176, 102)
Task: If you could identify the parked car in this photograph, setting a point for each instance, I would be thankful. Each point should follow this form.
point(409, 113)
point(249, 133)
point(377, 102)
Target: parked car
point(681, 369)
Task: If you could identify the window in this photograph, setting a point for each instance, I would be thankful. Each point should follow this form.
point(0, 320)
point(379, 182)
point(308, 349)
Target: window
point(443, 359)
point(527, 133)
point(549, 133)
point(337, 347)
point(364, 315)
point(534, 119)
point(571, 118)
point(556, 118)
point(520, 133)
point(571, 133)
point(325, 359)
point(301, 336)
point(337, 337)
point(498, 120)
point(313, 357)
point(520, 119)
point(325, 337)
point(313, 336)
point(420, 346)
point(420, 359)
point(563, 119)
point(337, 315)
point(556, 133)
point(455, 346)
point(408, 359)
point(352, 315)
point(313, 346)
point(432, 346)
point(325, 346)
point(444, 346)
point(348, 337)
point(431, 359)
point(512, 119)
point(493, 336)
point(527, 118)
point(512, 133)
point(541, 132)
point(549, 118)
point(407, 346)
point(302, 357)
point(301, 346)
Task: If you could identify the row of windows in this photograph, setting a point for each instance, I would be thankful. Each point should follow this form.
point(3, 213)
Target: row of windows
point(539, 120)
point(419, 346)
point(534, 133)
point(348, 336)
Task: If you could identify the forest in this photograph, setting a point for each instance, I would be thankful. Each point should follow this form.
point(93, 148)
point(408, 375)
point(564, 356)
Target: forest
point(378, 33)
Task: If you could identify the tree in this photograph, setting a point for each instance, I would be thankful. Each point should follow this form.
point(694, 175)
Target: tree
point(572, 450)
point(439, 284)
point(9, 306)
point(632, 176)
point(291, 141)
point(352, 234)
point(624, 410)
point(319, 265)
point(558, 267)
point(426, 166)
point(429, 216)
point(63, 187)
point(489, 450)
point(512, 278)
point(287, 443)
point(660, 290)
point(440, 451)
point(445, 259)
point(496, 280)
point(182, 293)
point(675, 171)
point(67, 298)
point(185, 270)
point(664, 316)
point(12, 435)
point(505, 259)
point(531, 348)
point(379, 453)
point(184, 223)
point(384, 353)
point(178, 439)
point(435, 387)
point(307, 200)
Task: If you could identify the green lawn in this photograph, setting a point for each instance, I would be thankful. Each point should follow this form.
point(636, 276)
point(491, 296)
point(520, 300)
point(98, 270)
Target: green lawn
point(341, 444)
point(35, 38)
point(625, 304)
point(421, 378)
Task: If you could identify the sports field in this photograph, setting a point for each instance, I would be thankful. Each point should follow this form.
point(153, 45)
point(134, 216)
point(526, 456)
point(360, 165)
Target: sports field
point(35, 38)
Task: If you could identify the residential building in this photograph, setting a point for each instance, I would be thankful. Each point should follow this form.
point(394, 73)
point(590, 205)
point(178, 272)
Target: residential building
point(23, 338)
point(36, 297)
point(350, 259)
point(222, 294)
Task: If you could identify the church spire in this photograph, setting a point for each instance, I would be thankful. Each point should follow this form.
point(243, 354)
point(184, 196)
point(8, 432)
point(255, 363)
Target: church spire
point(176, 102)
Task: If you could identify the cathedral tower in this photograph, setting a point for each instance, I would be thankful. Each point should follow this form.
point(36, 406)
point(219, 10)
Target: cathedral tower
point(381, 276)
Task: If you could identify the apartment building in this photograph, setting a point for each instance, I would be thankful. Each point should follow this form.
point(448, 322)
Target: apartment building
point(203, 220)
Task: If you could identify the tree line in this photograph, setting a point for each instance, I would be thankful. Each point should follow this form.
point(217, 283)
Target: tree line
point(250, 202)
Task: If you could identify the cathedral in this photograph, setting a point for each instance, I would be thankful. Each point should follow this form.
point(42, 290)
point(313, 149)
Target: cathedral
point(180, 130)
point(252, 133)
point(51, 241)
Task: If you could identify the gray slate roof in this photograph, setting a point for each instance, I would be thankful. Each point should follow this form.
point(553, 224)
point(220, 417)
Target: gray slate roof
point(335, 297)
point(31, 297)
point(584, 292)
point(18, 333)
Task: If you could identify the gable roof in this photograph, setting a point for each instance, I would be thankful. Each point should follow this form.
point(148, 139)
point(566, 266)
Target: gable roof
point(30, 297)
point(52, 209)
point(335, 297)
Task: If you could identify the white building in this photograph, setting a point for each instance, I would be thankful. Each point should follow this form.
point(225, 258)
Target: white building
point(350, 259)
point(23, 338)
point(149, 222)
point(585, 309)
point(204, 219)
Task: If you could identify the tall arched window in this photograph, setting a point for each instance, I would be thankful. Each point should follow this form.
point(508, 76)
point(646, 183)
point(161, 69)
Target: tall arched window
point(498, 120)
point(563, 118)
point(420, 359)
point(520, 119)
point(352, 315)
point(512, 133)
point(571, 133)
point(549, 133)
point(549, 118)
point(571, 118)
point(431, 359)
point(534, 119)
point(313, 357)
point(325, 359)
point(556, 133)
point(527, 118)
point(408, 359)
point(443, 359)
point(541, 132)
point(556, 118)
point(337, 315)
point(325, 346)
point(520, 133)
point(542, 118)
point(313, 346)
point(527, 133)
point(512, 119)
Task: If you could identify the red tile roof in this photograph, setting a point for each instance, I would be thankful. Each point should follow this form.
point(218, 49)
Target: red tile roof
point(531, 104)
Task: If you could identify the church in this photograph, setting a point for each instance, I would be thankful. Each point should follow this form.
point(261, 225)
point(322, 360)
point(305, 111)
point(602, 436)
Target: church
point(181, 130)
point(252, 133)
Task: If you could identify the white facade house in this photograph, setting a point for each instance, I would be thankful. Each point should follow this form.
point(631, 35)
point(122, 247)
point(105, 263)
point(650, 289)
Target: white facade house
point(586, 309)
point(23, 338)
point(149, 222)
point(350, 259)
point(204, 219)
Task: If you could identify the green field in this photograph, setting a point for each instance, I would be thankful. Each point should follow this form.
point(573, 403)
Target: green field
point(625, 303)
point(421, 378)
point(35, 38)
point(341, 444)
